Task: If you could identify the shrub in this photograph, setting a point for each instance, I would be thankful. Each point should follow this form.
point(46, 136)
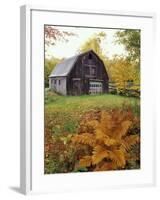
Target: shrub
point(110, 142)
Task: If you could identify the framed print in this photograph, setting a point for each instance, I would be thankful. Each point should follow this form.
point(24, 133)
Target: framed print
point(87, 96)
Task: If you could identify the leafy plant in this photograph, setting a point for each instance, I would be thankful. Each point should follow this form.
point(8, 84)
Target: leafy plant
point(109, 141)
point(70, 126)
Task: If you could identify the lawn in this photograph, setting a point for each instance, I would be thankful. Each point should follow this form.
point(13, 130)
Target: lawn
point(63, 113)
point(88, 102)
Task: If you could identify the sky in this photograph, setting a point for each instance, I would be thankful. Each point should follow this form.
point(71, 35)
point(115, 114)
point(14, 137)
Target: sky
point(68, 49)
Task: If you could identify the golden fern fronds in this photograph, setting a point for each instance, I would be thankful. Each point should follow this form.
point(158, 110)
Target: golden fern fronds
point(86, 161)
point(93, 123)
point(121, 129)
point(130, 141)
point(106, 123)
point(103, 138)
point(109, 141)
point(84, 138)
point(119, 158)
point(106, 166)
point(99, 153)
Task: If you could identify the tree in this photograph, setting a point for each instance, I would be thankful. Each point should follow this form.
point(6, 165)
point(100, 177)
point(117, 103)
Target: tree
point(121, 70)
point(52, 35)
point(131, 41)
point(94, 43)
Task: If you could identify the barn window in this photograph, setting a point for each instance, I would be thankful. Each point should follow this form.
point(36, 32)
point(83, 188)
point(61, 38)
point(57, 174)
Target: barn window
point(59, 82)
point(90, 70)
point(90, 56)
point(93, 71)
point(95, 87)
point(87, 70)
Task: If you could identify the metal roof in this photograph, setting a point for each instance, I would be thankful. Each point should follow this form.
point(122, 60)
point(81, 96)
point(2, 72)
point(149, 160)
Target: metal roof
point(63, 68)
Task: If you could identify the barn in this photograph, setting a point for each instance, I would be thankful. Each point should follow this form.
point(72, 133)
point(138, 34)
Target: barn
point(84, 73)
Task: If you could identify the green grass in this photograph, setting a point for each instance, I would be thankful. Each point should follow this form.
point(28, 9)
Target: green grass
point(88, 102)
point(63, 113)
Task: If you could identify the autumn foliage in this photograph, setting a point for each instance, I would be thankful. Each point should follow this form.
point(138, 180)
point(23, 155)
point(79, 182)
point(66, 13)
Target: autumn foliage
point(109, 140)
point(94, 133)
point(104, 140)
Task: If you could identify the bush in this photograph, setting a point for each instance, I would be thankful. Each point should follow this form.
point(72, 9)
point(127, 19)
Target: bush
point(111, 145)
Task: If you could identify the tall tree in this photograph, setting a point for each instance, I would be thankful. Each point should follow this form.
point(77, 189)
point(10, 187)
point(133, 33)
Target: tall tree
point(94, 43)
point(131, 41)
point(121, 71)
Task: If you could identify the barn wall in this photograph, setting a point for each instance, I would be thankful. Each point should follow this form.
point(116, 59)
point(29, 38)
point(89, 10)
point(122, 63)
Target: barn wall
point(79, 73)
point(58, 84)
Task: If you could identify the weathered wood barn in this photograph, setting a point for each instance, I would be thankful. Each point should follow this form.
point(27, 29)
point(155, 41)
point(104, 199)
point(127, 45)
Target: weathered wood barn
point(82, 74)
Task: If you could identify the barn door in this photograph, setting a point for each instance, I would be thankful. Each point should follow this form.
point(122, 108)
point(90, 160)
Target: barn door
point(77, 89)
point(95, 87)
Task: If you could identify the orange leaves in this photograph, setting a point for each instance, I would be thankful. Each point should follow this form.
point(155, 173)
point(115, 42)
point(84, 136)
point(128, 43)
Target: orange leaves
point(109, 140)
point(130, 141)
point(86, 161)
point(99, 153)
point(106, 122)
point(125, 127)
point(85, 138)
point(119, 158)
point(122, 129)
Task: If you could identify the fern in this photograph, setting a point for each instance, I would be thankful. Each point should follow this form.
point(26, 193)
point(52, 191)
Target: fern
point(109, 141)
point(86, 161)
point(84, 138)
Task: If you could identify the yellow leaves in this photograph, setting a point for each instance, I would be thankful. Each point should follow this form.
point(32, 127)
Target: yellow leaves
point(106, 122)
point(109, 141)
point(125, 126)
point(103, 138)
point(130, 141)
point(86, 161)
point(93, 123)
point(99, 134)
point(99, 153)
point(94, 44)
point(120, 71)
point(122, 129)
point(119, 158)
point(85, 138)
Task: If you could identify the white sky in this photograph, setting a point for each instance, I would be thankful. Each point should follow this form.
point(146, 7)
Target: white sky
point(68, 49)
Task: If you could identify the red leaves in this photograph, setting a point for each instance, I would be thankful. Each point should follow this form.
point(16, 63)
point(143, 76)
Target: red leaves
point(53, 34)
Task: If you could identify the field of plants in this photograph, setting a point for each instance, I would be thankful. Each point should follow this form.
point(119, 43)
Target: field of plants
point(91, 133)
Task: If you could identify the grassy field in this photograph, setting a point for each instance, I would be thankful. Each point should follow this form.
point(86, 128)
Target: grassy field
point(88, 102)
point(65, 112)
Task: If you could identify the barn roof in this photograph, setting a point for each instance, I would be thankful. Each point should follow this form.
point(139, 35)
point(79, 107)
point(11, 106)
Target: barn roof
point(63, 68)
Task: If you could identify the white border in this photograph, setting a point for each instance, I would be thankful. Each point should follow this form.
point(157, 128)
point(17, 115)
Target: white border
point(32, 178)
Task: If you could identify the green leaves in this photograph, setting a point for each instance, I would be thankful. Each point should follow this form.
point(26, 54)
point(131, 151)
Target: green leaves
point(48, 67)
point(131, 41)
